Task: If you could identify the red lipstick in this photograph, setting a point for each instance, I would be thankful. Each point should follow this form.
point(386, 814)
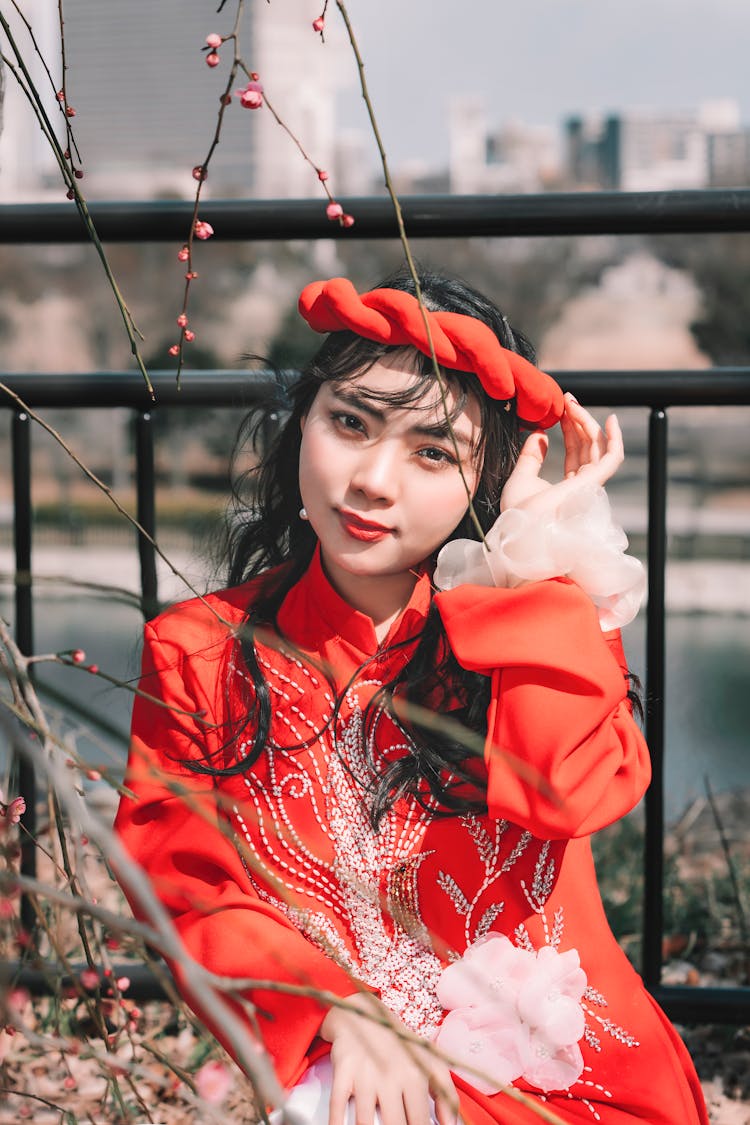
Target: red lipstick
point(365, 530)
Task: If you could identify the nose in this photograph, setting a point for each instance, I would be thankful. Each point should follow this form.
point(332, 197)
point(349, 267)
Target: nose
point(375, 474)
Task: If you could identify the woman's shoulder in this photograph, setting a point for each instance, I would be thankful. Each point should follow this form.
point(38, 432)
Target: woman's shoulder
point(208, 618)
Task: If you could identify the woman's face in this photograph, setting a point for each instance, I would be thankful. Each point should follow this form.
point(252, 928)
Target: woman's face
point(381, 484)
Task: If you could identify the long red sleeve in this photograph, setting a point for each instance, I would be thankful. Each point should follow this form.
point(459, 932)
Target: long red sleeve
point(563, 753)
point(196, 871)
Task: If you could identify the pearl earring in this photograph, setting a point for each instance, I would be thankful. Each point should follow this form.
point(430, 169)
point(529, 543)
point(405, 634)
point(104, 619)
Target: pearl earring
point(303, 514)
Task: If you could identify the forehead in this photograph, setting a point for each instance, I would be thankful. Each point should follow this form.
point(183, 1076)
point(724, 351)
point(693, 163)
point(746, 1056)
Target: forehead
point(395, 388)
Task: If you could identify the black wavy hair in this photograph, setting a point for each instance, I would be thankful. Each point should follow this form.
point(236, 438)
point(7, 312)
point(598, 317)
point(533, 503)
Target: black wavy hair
point(268, 537)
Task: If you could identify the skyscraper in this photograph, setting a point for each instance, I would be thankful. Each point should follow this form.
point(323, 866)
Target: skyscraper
point(146, 102)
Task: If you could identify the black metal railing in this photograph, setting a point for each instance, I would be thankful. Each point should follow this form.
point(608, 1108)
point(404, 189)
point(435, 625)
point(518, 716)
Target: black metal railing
point(657, 391)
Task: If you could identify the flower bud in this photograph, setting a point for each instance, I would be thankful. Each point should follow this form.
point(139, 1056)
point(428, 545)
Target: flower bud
point(212, 59)
point(322, 175)
point(175, 349)
point(202, 229)
point(252, 96)
point(69, 111)
point(213, 40)
point(347, 220)
point(183, 255)
point(319, 24)
point(182, 320)
point(334, 210)
point(189, 335)
point(199, 173)
point(89, 978)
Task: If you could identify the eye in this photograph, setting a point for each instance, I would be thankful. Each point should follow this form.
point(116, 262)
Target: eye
point(436, 455)
point(349, 422)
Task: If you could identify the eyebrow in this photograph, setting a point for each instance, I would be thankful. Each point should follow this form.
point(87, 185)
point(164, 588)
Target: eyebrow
point(436, 430)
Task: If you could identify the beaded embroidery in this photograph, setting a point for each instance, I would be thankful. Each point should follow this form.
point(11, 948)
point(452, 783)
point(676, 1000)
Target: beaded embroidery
point(355, 893)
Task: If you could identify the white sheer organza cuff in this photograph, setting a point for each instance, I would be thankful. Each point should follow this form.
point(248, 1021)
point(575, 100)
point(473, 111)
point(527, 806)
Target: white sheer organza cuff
point(579, 541)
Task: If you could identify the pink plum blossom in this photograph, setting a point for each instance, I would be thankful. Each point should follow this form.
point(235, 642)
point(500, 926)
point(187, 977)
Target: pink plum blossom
point(213, 40)
point(13, 811)
point(89, 978)
point(203, 230)
point(213, 1082)
point(252, 95)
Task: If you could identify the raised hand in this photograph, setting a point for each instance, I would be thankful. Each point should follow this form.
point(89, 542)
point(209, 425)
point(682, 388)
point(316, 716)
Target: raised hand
point(592, 456)
point(379, 1071)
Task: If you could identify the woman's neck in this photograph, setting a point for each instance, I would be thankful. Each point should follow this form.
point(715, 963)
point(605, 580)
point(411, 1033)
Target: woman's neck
point(381, 598)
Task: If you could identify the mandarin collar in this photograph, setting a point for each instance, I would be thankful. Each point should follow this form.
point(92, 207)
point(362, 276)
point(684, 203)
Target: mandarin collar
point(313, 614)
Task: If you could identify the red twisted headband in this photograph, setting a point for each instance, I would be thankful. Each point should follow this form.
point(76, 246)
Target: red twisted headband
point(462, 343)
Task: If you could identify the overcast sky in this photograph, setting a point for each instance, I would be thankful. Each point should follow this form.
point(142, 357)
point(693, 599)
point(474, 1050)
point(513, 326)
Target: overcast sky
point(539, 60)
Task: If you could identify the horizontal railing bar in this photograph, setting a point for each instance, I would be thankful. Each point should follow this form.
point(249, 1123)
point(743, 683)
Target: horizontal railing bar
point(718, 386)
point(426, 216)
point(685, 1005)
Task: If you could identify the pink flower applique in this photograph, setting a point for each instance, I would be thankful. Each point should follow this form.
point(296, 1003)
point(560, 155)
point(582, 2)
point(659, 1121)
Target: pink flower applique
point(513, 1013)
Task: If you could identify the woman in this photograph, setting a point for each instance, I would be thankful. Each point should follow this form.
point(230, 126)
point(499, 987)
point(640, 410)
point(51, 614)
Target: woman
point(367, 789)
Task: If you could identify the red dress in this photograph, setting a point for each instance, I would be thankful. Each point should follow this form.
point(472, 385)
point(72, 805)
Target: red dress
point(302, 890)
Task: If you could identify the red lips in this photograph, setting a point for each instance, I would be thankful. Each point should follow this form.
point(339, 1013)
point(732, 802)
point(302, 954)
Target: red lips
point(364, 530)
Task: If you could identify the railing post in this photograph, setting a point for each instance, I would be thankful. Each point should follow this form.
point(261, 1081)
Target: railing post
point(24, 632)
point(146, 511)
point(653, 911)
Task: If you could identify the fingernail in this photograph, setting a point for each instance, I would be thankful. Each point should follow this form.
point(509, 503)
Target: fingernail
point(572, 397)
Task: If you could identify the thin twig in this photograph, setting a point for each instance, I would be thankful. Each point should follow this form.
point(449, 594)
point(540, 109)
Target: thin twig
point(410, 260)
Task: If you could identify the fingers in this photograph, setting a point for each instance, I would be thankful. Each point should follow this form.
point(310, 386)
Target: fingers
point(532, 455)
point(524, 482)
point(590, 453)
point(446, 1098)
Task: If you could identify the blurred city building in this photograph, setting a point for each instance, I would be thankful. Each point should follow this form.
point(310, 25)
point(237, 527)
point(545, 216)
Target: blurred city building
point(512, 158)
point(146, 103)
point(652, 150)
